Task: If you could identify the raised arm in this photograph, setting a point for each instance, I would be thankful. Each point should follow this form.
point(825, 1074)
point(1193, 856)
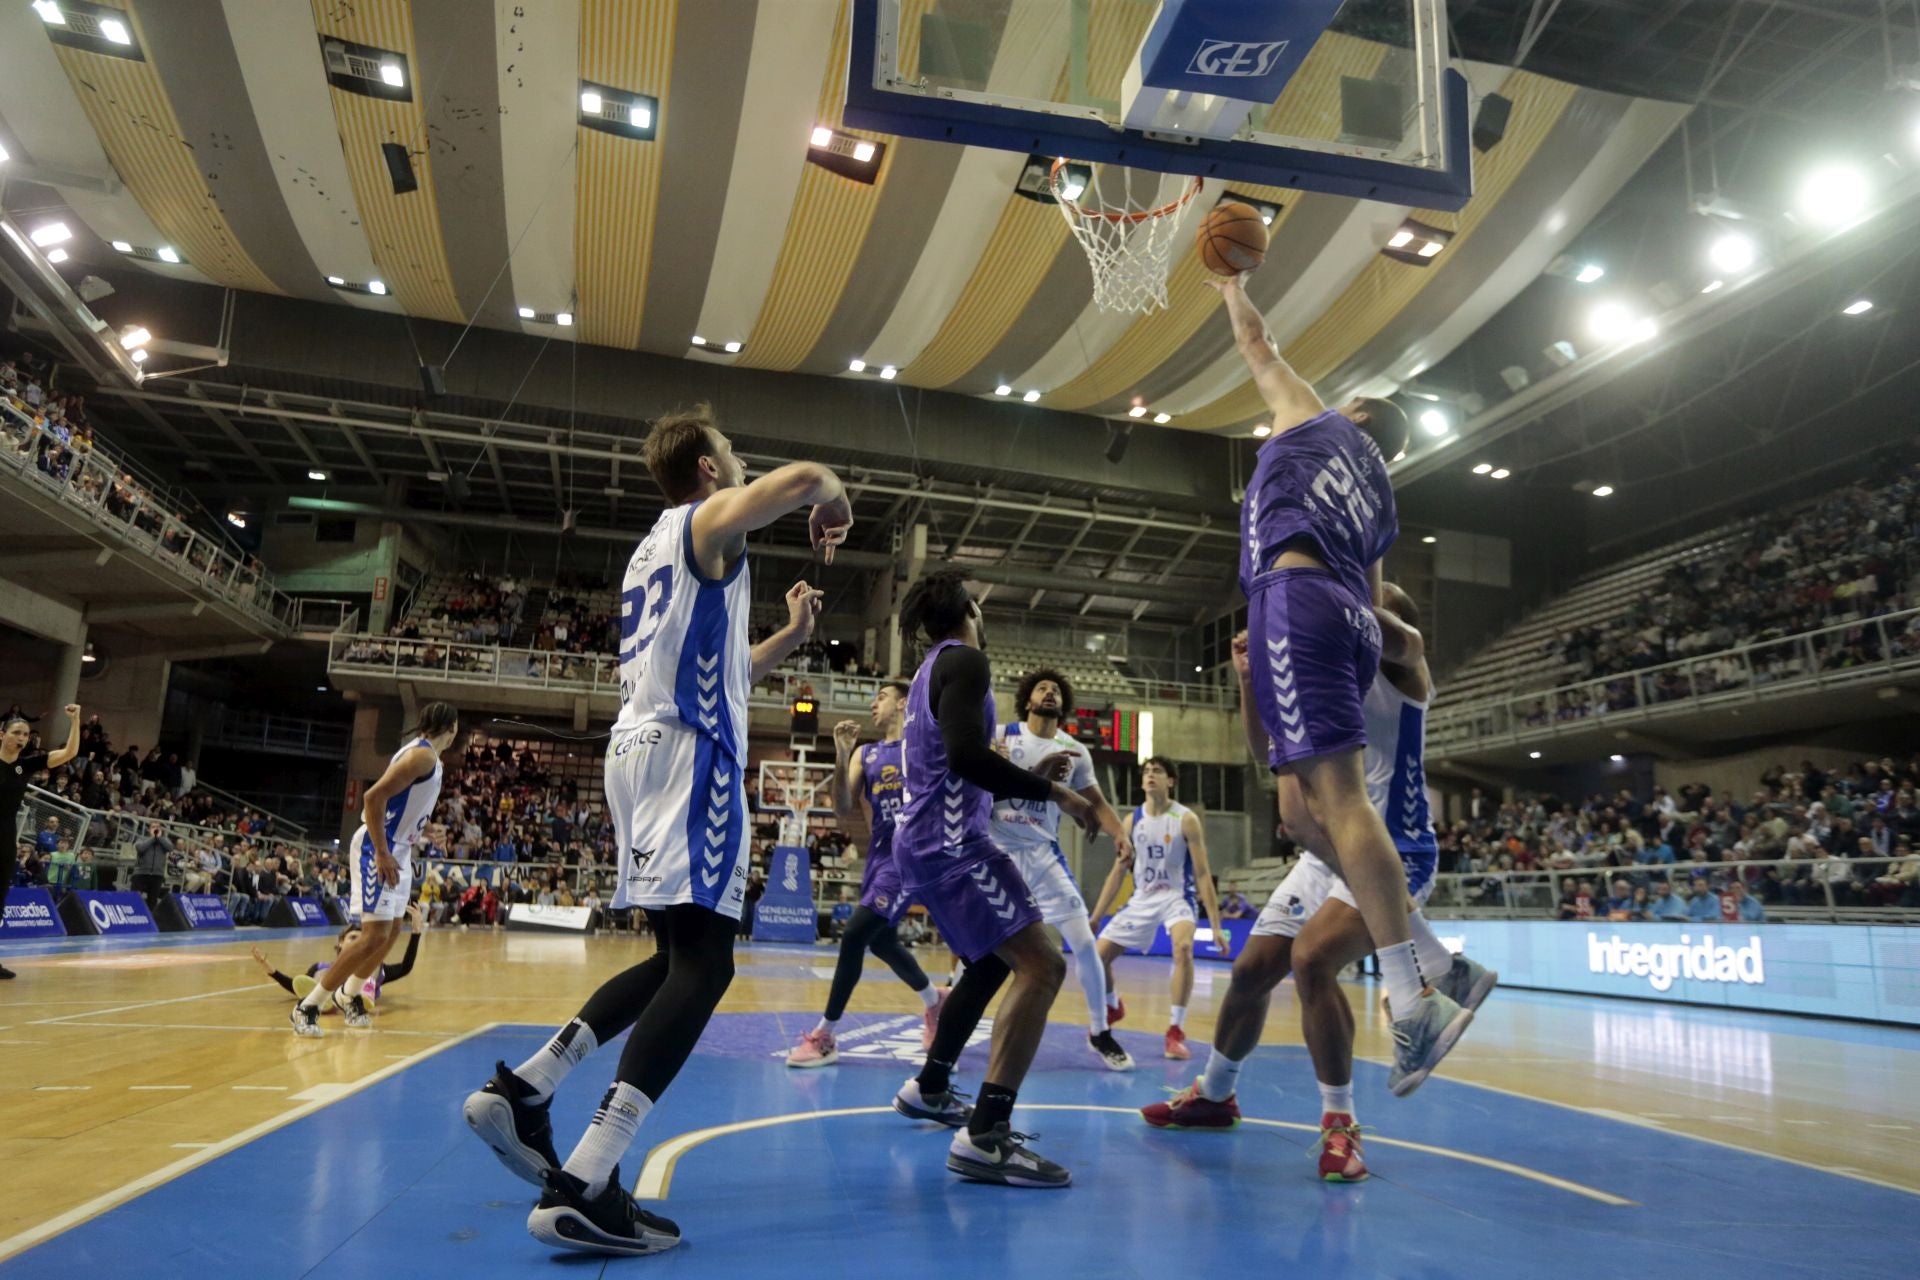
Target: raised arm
point(57, 758)
point(1257, 741)
point(803, 606)
point(1287, 394)
point(848, 769)
point(722, 523)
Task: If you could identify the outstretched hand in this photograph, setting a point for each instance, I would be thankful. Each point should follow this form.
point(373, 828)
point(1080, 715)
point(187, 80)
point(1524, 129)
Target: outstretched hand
point(803, 606)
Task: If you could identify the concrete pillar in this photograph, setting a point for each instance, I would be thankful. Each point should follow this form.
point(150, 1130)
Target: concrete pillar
point(66, 673)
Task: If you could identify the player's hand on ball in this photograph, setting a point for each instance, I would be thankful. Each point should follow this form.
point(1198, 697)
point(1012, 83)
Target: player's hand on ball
point(845, 734)
point(803, 606)
point(1242, 657)
point(1055, 767)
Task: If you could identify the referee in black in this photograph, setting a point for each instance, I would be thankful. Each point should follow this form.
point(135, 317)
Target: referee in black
point(17, 767)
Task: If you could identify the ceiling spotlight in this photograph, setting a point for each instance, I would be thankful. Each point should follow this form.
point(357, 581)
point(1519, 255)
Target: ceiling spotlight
point(1714, 286)
point(1588, 273)
point(56, 256)
point(1646, 331)
point(51, 233)
point(860, 366)
point(391, 73)
point(1833, 195)
point(822, 136)
point(1617, 759)
point(563, 318)
point(590, 102)
point(639, 116)
point(1482, 468)
point(863, 151)
point(1138, 411)
point(139, 355)
point(1417, 243)
point(1030, 396)
point(1003, 390)
point(50, 13)
point(336, 281)
point(5, 155)
point(377, 287)
point(526, 313)
point(1162, 419)
point(699, 341)
point(1429, 539)
point(167, 253)
point(731, 348)
point(1401, 239)
point(1430, 248)
point(1073, 188)
point(135, 336)
point(121, 246)
point(1433, 422)
point(1610, 321)
point(316, 474)
point(1500, 473)
point(1733, 253)
point(1533, 755)
point(1603, 491)
point(1859, 308)
point(236, 519)
point(115, 30)
point(1262, 431)
point(887, 373)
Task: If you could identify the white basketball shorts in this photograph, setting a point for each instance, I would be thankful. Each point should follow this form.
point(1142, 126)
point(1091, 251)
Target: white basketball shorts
point(372, 899)
point(1137, 922)
point(678, 801)
point(1044, 868)
point(1305, 890)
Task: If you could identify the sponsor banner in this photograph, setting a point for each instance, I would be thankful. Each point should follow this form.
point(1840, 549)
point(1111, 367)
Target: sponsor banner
point(116, 912)
point(203, 910)
point(307, 913)
point(531, 915)
point(785, 912)
point(1868, 972)
point(30, 914)
point(1162, 945)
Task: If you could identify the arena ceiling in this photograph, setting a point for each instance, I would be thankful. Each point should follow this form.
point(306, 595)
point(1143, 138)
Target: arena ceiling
point(226, 142)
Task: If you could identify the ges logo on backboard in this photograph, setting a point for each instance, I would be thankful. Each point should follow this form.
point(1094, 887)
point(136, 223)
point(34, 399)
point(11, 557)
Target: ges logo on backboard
point(1245, 58)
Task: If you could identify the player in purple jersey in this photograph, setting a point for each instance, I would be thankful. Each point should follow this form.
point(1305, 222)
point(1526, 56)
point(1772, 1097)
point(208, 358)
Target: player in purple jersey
point(875, 772)
point(1317, 518)
point(950, 865)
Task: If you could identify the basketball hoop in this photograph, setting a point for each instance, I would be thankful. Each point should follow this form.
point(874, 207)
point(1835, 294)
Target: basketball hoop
point(1128, 239)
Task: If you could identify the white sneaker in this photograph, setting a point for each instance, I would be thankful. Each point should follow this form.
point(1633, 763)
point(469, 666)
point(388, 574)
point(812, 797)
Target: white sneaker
point(949, 1108)
point(1468, 983)
point(1424, 1037)
point(306, 1022)
point(1001, 1155)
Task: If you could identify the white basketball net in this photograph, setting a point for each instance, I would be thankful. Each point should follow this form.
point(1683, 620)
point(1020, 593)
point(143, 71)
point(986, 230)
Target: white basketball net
point(1126, 223)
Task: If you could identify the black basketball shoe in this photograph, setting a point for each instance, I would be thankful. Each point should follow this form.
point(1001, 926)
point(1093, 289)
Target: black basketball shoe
point(611, 1222)
point(1001, 1155)
point(517, 1129)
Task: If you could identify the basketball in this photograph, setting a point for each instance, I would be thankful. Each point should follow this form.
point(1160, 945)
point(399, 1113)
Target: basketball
point(1232, 239)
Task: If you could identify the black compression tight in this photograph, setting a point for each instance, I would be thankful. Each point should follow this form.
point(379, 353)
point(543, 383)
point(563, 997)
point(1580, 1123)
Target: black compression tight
point(965, 1007)
point(668, 998)
point(868, 930)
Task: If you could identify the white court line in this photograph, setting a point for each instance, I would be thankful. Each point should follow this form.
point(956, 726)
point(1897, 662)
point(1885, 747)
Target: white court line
point(190, 1146)
point(148, 1004)
point(1902, 1127)
point(250, 1028)
point(155, 1088)
point(260, 1088)
point(119, 1195)
point(61, 1088)
point(326, 1091)
point(1623, 1116)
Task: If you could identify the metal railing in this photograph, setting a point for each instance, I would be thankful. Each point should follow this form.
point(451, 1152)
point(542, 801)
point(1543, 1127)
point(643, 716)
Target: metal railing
point(311, 613)
point(90, 480)
point(288, 735)
point(240, 803)
point(1832, 890)
point(109, 833)
point(599, 673)
point(1848, 652)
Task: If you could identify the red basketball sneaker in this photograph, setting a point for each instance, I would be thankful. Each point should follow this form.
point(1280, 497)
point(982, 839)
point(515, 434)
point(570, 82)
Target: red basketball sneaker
point(1188, 1110)
point(1177, 1045)
point(1116, 1011)
point(1341, 1159)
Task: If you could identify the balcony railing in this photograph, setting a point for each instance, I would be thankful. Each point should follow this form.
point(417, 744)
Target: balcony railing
point(1846, 653)
point(90, 482)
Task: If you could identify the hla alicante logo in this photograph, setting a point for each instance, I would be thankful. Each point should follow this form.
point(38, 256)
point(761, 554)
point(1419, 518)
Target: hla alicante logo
point(1661, 962)
point(108, 915)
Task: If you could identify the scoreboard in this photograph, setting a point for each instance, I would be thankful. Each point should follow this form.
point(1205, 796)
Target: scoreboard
point(1116, 731)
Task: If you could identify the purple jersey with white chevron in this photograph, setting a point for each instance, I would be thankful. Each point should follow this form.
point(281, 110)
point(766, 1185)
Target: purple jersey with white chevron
point(1324, 482)
point(944, 819)
point(883, 784)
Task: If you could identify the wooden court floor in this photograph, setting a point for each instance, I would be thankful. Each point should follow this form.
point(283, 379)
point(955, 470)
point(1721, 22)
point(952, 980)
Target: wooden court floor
point(123, 1066)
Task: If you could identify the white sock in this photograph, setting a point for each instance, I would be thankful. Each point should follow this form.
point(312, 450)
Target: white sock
point(609, 1136)
point(548, 1067)
point(826, 1024)
point(928, 996)
point(1403, 978)
point(1337, 1098)
point(1179, 1014)
point(316, 997)
point(352, 987)
point(1434, 959)
point(1078, 934)
point(1221, 1078)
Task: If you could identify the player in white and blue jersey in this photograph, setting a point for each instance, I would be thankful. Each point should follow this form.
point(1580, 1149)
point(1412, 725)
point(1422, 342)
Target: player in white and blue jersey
point(380, 855)
point(1311, 927)
point(1028, 831)
point(675, 776)
point(1170, 879)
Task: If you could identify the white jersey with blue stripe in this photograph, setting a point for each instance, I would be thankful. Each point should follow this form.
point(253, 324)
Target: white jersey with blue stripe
point(409, 809)
point(683, 638)
point(1396, 775)
point(1162, 866)
point(1033, 826)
